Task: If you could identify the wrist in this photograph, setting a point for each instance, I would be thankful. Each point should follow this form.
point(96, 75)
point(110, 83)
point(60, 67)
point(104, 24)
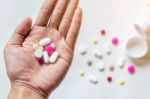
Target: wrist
point(23, 92)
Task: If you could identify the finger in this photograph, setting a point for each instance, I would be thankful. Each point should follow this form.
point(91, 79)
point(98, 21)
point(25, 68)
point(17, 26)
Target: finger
point(21, 32)
point(58, 13)
point(45, 12)
point(66, 21)
point(74, 28)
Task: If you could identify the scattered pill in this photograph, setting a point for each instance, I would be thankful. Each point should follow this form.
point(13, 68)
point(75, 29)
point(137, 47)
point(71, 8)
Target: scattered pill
point(111, 67)
point(52, 45)
point(34, 46)
point(38, 54)
point(40, 48)
point(100, 66)
point(94, 40)
point(89, 62)
point(46, 57)
point(103, 32)
point(81, 72)
point(93, 79)
point(121, 63)
point(82, 50)
point(98, 54)
point(115, 41)
point(121, 82)
point(49, 49)
point(108, 49)
point(54, 57)
point(109, 79)
point(131, 69)
point(45, 41)
point(148, 5)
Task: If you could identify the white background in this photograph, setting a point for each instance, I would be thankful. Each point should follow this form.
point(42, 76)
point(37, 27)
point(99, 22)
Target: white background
point(117, 17)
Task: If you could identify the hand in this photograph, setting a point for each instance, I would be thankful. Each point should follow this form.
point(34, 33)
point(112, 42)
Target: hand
point(58, 19)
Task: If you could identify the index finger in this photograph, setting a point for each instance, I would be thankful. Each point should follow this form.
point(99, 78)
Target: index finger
point(45, 12)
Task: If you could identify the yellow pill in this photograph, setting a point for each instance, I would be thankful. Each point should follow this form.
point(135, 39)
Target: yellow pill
point(94, 40)
point(81, 73)
point(40, 48)
point(121, 82)
point(148, 5)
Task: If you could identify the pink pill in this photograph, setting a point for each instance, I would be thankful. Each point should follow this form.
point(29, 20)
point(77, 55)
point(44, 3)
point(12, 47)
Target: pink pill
point(49, 49)
point(131, 69)
point(115, 41)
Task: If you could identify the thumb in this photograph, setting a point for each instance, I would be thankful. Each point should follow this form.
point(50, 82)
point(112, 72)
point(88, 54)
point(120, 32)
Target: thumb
point(21, 32)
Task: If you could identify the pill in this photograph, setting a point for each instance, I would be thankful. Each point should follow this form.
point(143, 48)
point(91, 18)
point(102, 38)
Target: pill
point(121, 63)
point(100, 66)
point(39, 47)
point(111, 67)
point(89, 62)
point(45, 57)
point(82, 50)
point(115, 41)
point(54, 57)
point(93, 79)
point(38, 54)
point(148, 5)
point(121, 81)
point(98, 54)
point(34, 46)
point(108, 49)
point(109, 79)
point(52, 45)
point(81, 72)
point(49, 49)
point(131, 69)
point(103, 32)
point(94, 40)
point(45, 41)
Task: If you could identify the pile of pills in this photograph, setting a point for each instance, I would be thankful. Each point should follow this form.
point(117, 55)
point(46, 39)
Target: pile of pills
point(45, 51)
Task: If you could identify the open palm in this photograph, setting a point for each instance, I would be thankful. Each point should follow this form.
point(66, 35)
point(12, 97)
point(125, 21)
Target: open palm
point(61, 23)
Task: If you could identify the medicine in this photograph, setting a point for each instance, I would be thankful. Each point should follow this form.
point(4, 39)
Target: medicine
point(98, 54)
point(115, 41)
point(94, 40)
point(54, 57)
point(92, 79)
point(40, 48)
point(45, 41)
point(52, 45)
point(103, 32)
point(81, 73)
point(49, 49)
point(82, 50)
point(121, 82)
point(109, 79)
point(121, 63)
point(111, 67)
point(100, 66)
point(89, 62)
point(45, 57)
point(38, 54)
point(131, 69)
point(108, 49)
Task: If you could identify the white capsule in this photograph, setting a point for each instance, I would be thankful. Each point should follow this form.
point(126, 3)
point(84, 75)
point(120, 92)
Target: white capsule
point(38, 54)
point(52, 45)
point(108, 49)
point(121, 62)
point(34, 46)
point(45, 41)
point(46, 57)
point(100, 66)
point(54, 57)
point(92, 79)
point(98, 54)
point(82, 50)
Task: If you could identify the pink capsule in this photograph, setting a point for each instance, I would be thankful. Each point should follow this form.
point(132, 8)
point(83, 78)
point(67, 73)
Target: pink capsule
point(49, 49)
point(131, 69)
point(115, 41)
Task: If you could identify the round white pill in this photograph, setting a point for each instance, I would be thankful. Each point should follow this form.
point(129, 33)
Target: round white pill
point(108, 49)
point(136, 47)
point(45, 41)
point(98, 54)
point(46, 57)
point(54, 57)
point(38, 54)
point(121, 62)
point(92, 79)
point(82, 50)
point(100, 66)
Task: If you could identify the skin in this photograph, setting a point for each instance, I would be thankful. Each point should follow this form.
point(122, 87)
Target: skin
point(58, 19)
